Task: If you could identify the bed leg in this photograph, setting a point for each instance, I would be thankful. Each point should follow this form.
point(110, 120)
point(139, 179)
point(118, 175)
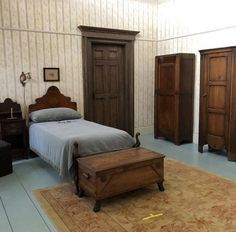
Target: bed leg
point(137, 143)
point(75, 163)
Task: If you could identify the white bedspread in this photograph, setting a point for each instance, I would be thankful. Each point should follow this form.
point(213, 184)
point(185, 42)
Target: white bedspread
point(54, 141)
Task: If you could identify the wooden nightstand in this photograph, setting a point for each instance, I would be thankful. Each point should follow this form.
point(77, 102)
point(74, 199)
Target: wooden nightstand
point(13, 128)
point(5, 158)
point(14, 132)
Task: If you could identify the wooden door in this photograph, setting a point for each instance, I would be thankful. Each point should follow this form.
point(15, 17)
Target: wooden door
point(122, 92)
point(217, 104)
point(165, 97)
point(108, 85)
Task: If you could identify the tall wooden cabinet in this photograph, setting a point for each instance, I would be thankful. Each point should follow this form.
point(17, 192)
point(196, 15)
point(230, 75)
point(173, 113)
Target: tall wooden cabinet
point(217, 124)
point(174, 82)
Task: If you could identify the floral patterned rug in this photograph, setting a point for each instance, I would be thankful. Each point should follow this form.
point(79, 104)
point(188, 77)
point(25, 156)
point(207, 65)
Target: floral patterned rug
point(193, 200)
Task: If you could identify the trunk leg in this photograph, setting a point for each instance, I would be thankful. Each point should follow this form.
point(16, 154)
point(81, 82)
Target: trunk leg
point(97, 206)
point(160, 186)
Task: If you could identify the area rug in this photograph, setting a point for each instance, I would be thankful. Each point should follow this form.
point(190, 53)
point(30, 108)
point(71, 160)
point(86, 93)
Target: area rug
point(193, 200)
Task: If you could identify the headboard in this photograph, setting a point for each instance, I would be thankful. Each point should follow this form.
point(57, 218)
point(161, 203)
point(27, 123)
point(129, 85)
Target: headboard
point(52, 99)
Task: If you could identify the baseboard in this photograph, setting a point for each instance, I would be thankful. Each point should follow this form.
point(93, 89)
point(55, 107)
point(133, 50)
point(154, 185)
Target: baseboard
point(150, 130)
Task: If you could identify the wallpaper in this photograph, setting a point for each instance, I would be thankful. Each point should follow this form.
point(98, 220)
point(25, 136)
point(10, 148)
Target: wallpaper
point(43, 33)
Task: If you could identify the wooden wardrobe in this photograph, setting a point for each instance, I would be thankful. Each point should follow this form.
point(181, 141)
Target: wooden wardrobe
point(174, 83)
point(217, 124)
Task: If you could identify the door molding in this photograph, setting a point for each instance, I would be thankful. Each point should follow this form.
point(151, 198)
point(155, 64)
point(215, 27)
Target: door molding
point(98, 35)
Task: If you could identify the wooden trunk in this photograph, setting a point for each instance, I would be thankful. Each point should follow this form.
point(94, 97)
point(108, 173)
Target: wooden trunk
point(113, 173)
point(174, 83)
point(217, 125)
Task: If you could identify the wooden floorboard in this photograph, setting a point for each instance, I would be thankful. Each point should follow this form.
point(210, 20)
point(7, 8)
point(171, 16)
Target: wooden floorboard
point(15, 190)
point(4, 222)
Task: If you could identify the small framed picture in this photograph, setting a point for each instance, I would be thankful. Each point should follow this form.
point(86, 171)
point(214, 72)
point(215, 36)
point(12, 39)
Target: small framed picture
point(51, 74)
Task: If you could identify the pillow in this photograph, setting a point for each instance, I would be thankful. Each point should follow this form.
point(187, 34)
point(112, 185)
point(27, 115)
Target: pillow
point(54, 114)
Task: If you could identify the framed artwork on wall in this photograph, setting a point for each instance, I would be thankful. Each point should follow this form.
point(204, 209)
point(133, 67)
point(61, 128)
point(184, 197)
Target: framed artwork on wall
point(51, 74)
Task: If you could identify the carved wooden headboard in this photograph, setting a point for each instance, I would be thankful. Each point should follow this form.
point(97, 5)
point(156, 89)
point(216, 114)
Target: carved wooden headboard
point(52, 99)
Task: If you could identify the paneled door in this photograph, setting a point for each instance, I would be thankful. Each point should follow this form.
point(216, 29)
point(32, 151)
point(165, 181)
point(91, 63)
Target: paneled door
point(217, 107)
point(217, 124)
point(108, 85)
point(215, 96)
point(108, 62)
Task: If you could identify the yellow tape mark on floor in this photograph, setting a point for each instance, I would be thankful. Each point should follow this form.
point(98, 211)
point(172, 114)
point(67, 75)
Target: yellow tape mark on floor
point(152, 216)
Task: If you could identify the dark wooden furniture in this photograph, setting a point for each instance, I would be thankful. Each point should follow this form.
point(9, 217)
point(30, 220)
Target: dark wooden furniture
point(174, 86)
point(13, 128)
point(5, 158)
point(113, 173)
point(108, 61)
point(217, 125)
point(53, 99)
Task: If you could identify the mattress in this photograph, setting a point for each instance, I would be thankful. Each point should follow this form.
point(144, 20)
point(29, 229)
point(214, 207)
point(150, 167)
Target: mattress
point(54, 141)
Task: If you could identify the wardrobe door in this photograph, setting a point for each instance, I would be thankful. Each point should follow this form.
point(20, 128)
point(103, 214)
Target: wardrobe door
point(215, 98)
point(218, 98)
point(166, 97)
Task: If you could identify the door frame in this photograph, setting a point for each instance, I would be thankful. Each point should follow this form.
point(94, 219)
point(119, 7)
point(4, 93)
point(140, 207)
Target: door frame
point(125, 38)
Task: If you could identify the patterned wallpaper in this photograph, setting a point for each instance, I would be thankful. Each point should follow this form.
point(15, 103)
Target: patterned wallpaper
point(43, 33)
point(189, 26)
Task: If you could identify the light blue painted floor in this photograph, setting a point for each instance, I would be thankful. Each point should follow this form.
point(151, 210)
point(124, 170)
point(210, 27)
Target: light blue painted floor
point(20, 212)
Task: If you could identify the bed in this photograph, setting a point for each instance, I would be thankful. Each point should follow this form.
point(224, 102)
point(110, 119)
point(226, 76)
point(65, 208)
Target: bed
point(60, 142)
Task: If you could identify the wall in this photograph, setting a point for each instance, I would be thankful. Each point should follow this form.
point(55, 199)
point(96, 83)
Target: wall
point(43, 33)
point(189, 26)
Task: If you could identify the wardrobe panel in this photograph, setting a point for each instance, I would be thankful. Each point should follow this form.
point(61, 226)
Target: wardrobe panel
point(167, 77)
point(166, 105)
point(216, 124)
point(217, 97)
point(218, 68)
